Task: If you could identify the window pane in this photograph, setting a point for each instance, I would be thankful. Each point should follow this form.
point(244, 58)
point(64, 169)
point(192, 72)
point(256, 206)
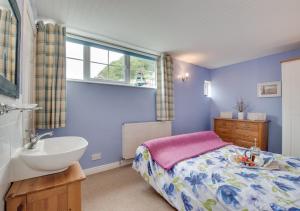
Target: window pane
point(116, 72)
point(74, 69)
point(99, 55)
point(116, 58)
point(74, 50)
point(116, 66)
point(99, 71)
point(142, 72)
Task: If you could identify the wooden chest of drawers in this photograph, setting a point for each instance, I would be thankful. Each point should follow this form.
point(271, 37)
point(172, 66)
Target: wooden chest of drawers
point(243, 132)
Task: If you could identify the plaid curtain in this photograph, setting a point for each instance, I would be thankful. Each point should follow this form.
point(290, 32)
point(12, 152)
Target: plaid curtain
point(8, 32)
point(164, 93)
point(51, 75)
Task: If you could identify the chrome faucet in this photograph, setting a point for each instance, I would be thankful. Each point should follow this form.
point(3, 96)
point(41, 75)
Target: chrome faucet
point(34, 138)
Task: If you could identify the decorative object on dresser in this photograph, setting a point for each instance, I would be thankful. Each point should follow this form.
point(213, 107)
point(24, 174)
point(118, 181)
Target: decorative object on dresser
point(257, 116)
point(241, 107)
point(226, 115)
point(60, 191)
point(243, 133)
point(269, 89)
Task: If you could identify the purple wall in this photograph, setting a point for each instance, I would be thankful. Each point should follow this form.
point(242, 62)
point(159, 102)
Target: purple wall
point(240, 80)
point(192, 108)
point(97, 111)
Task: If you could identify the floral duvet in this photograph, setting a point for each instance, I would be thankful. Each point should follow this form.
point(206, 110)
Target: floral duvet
point(210, 182)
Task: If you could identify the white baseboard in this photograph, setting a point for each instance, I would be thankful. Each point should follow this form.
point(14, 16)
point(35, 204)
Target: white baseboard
point(106, 167)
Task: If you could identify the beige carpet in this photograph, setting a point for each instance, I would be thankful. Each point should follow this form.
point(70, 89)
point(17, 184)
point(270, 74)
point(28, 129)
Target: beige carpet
point(121, 189)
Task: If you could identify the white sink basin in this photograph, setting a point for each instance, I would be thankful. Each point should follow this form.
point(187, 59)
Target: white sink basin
point(54, 154)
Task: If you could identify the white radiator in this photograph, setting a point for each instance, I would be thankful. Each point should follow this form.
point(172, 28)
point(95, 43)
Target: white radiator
point(134, 134)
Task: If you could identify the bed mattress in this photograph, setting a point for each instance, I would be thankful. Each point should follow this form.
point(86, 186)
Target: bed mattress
point(211, 182)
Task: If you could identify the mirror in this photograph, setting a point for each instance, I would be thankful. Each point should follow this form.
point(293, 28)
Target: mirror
point(10, 28)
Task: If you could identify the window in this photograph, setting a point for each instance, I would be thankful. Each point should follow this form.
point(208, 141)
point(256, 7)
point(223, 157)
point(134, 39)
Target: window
point(94, 62)
point(74, 60)
point(142, 71)
point(207, 88)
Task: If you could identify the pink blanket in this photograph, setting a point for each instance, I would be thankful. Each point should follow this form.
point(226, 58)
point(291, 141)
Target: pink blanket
point(168, 151)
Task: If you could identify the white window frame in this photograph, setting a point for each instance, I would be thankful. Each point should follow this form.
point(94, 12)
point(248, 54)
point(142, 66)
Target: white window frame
point(86, 62)
point(207, 88)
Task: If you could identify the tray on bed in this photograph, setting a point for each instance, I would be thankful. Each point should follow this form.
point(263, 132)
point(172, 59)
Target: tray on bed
point(259, 163)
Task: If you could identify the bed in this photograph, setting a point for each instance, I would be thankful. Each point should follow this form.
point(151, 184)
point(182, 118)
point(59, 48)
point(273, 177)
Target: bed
point(210, 182)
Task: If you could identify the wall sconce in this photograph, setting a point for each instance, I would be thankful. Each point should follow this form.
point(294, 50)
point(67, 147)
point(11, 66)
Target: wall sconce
point(184, 77)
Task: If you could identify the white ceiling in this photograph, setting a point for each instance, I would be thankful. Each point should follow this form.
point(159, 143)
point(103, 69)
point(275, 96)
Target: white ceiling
point(209, 33)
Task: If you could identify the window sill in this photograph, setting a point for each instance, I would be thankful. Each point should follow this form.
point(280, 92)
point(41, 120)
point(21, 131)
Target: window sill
point(109, 83)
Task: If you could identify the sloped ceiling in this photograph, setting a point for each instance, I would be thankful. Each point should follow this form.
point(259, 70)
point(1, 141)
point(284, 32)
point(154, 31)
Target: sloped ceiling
point(209, 33)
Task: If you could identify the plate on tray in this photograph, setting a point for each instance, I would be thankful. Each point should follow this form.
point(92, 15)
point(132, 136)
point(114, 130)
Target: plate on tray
point(257, 163)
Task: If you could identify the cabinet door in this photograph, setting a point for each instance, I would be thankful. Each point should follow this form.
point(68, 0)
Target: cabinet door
point(74, 196)
point(54, 199)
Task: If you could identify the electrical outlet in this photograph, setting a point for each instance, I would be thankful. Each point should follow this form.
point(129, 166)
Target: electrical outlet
point(96, 156)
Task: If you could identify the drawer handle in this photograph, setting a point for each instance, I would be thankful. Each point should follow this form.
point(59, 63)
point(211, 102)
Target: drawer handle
point(20, 207)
